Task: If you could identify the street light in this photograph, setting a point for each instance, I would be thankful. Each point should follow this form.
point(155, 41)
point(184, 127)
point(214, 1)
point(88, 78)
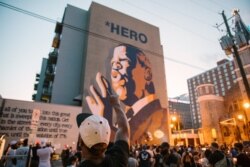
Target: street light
point(246, 105)
point(245, 127)
point(240, 117)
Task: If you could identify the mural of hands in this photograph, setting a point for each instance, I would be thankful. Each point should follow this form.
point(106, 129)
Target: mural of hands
point(99, 102)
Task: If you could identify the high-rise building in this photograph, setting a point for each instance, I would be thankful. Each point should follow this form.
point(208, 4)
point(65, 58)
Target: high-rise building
point(180, 107)
point(102, 46)
point(222, 76)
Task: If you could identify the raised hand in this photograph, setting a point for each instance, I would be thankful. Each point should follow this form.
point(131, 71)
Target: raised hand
point(99, 103)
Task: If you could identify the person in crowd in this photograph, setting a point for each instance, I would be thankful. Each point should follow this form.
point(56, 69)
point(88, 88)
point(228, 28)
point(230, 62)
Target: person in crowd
point(145, 158)
point(187, 158)
point(132, 161)
point(204, 158)
point(10, 155)
point(174, 159)
point(65, 154)
point(35, 157)
point(217, 158)
point(164, 153)
point(22, 154)
point(78, 154)
point(95, 136)
point(73, 161)
point(44, 154)
point(158, 157)
point(242, 160)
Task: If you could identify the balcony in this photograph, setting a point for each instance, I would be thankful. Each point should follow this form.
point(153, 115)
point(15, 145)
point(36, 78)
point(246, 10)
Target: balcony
point(52, 57)
point(34, 97)
point(46, 95)
point(36, 86)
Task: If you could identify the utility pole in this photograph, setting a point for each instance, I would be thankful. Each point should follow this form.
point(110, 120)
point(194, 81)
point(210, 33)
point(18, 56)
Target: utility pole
point(237, 57)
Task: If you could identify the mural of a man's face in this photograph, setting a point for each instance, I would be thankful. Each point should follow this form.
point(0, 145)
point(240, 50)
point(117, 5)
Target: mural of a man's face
point(127, 75)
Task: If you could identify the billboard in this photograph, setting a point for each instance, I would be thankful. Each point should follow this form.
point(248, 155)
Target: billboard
point(124, 57)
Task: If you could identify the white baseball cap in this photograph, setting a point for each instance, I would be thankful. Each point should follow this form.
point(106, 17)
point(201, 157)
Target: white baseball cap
point(13, 142)
point(93, 129)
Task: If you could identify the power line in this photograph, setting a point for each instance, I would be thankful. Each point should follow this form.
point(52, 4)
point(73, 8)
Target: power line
point(205, 7)
point(169, 21)
point(219, 4)
point(182, 13)
point(91, 33)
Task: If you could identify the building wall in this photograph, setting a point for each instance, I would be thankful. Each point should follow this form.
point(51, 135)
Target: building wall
point(100, 46)
point(41, 80)
point(88, 40)
point(108, 29)
point(68, 78)
point(222, 76)
point(212, 111)
point(183, 111)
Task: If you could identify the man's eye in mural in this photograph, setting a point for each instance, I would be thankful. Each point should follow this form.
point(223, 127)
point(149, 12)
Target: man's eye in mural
point(117, 65)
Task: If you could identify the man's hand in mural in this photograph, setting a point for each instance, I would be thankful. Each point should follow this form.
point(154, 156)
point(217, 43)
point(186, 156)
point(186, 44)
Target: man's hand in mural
point(99, 103)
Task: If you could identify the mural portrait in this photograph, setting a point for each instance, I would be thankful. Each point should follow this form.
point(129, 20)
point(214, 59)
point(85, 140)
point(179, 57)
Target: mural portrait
point(131, 78)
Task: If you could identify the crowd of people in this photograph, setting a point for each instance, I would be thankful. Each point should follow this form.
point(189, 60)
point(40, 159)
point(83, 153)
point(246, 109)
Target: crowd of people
point(21, 154)
point(211, 155)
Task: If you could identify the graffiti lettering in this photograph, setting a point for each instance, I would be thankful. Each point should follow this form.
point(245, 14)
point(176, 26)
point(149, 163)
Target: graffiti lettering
point(62, 130)
point(45, 135)
point(65, 115)
point(128, 33)
point(66, 126)
point(65, 119)
point(42, 129)
point(22, 111)
point(46, 112)
point(5, 115)
point(46, 124)
point(18, 134)
point(54, 119)
point(43, 118)
point(55, 113)
point(57, 125)
point(8, 128)
point(53, 130)
point(23, 123)
point(28, 117)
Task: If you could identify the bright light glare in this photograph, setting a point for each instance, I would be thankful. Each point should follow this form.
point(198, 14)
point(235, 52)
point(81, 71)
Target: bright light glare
point(240, 116)
point(246, 105)
point(158, 134)
point(174, 118)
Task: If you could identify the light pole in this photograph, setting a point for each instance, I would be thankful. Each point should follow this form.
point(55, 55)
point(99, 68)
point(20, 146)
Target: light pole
point(237, 56)
point(246, 106)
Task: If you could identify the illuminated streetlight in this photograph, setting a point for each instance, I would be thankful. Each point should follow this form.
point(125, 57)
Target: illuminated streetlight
point(171, 126)
point(240, 117)
point(246, 105)
point(174, 118)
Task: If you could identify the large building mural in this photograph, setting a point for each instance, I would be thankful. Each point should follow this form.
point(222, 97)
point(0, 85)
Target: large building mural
point(104, 52)
point(126, 60)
